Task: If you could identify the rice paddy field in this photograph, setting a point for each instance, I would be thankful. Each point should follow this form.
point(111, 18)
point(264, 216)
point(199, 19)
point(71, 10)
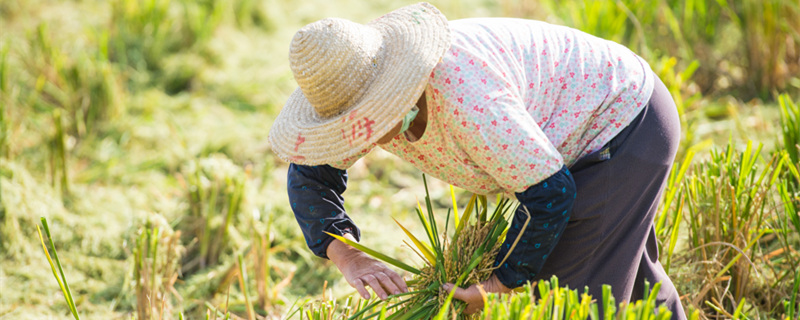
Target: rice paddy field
point(136, 181)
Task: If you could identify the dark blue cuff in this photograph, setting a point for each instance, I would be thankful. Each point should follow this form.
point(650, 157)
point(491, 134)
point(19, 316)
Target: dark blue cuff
point(550, 205)
point(315, 194)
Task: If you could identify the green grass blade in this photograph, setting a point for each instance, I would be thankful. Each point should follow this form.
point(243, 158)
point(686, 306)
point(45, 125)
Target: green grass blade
point(63, 282)
point(421, 246)
point(456, 218)
point(378, 255)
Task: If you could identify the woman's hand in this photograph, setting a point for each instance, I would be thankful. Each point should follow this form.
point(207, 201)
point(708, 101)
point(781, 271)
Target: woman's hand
point(360, 270)
point(473, 295)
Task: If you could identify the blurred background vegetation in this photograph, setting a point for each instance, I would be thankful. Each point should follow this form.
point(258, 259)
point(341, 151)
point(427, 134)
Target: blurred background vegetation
point(138, 129)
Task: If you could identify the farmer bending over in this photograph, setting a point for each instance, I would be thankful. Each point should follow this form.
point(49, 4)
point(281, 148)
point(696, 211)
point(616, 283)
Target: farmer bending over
point(577, 128)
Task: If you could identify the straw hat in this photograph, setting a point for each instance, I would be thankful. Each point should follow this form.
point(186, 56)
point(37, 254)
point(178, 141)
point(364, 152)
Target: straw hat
point(356, 82)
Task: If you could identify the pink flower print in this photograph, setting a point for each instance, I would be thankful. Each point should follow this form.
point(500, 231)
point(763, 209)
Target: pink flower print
point(561, 79)
point(477, 126)
point(613, 111)
point(505, 147)
point(611, 77)
point(500, 169)
point(536, 151)
point(508, 131)
point(572, 74)
point(600, 75)
point(486, 148)
point(494, 123)
point(552, 125)
point(566, 50)
point(485, 64)
point(513, 177)
point(433, 74)
point(545, 91)
point(544, 52)
point(564, 87)
point(522, 143)
point(457, 69)
point(577, 98)
point(557, 63)
point(447, 81)
point(460, 99)
point(439, 149)
point(586, 76)
point(455, 112)
point(421, 157)
point(464, 123)
point(502, 51)
point(532, 166)
point(475, 148)
point(471, 62)
point(635, 87)
point(618, 124)
point(505, 118)
point(545, 119)
point(480, 110)
point(594, 126)
point(530, 85)
point(487, 97)
point(455, 53)
point(483, 80)
point(460, 81)
point(619, 100)
point(577, 114)
point(594, 85)
point(609, 64)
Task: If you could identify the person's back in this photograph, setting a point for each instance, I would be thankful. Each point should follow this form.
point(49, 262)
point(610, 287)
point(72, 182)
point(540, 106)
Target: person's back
point(581, 90)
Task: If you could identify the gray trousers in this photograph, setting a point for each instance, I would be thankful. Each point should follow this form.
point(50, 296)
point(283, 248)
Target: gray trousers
point(610, 238)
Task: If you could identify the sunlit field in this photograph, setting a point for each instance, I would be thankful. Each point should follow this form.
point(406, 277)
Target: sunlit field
point(136, 180)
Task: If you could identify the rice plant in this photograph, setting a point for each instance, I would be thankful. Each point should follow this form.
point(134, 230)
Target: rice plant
point(58, 156)
point(143, 32)
point(544, 300)
point(728, 201)
point(215, 189)
point(464, 258)
point(4, 91)
point(81, 83)
point(790, 127)
point(156, 267)
point(58, 270)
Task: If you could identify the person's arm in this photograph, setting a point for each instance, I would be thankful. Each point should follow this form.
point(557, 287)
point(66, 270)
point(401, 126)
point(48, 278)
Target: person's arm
point(549, 204)
point(315, 194)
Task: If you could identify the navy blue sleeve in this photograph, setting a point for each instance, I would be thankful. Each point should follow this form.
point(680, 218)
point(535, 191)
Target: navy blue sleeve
point(550, 204)
point(315, 193)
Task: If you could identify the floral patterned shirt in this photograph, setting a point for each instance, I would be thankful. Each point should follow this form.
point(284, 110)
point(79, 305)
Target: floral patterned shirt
point(514, 100)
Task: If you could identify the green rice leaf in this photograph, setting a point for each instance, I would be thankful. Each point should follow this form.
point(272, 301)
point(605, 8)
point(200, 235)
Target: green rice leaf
point(377, 255)
point(455, 205)
point(421, 246)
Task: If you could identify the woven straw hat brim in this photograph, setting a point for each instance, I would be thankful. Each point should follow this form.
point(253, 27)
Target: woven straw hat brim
point(414, 40)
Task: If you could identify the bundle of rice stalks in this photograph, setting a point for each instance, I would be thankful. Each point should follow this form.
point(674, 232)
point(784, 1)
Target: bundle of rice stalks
point(464, 258)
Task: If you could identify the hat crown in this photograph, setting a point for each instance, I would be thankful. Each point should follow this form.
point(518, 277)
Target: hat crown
point(334, 61)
